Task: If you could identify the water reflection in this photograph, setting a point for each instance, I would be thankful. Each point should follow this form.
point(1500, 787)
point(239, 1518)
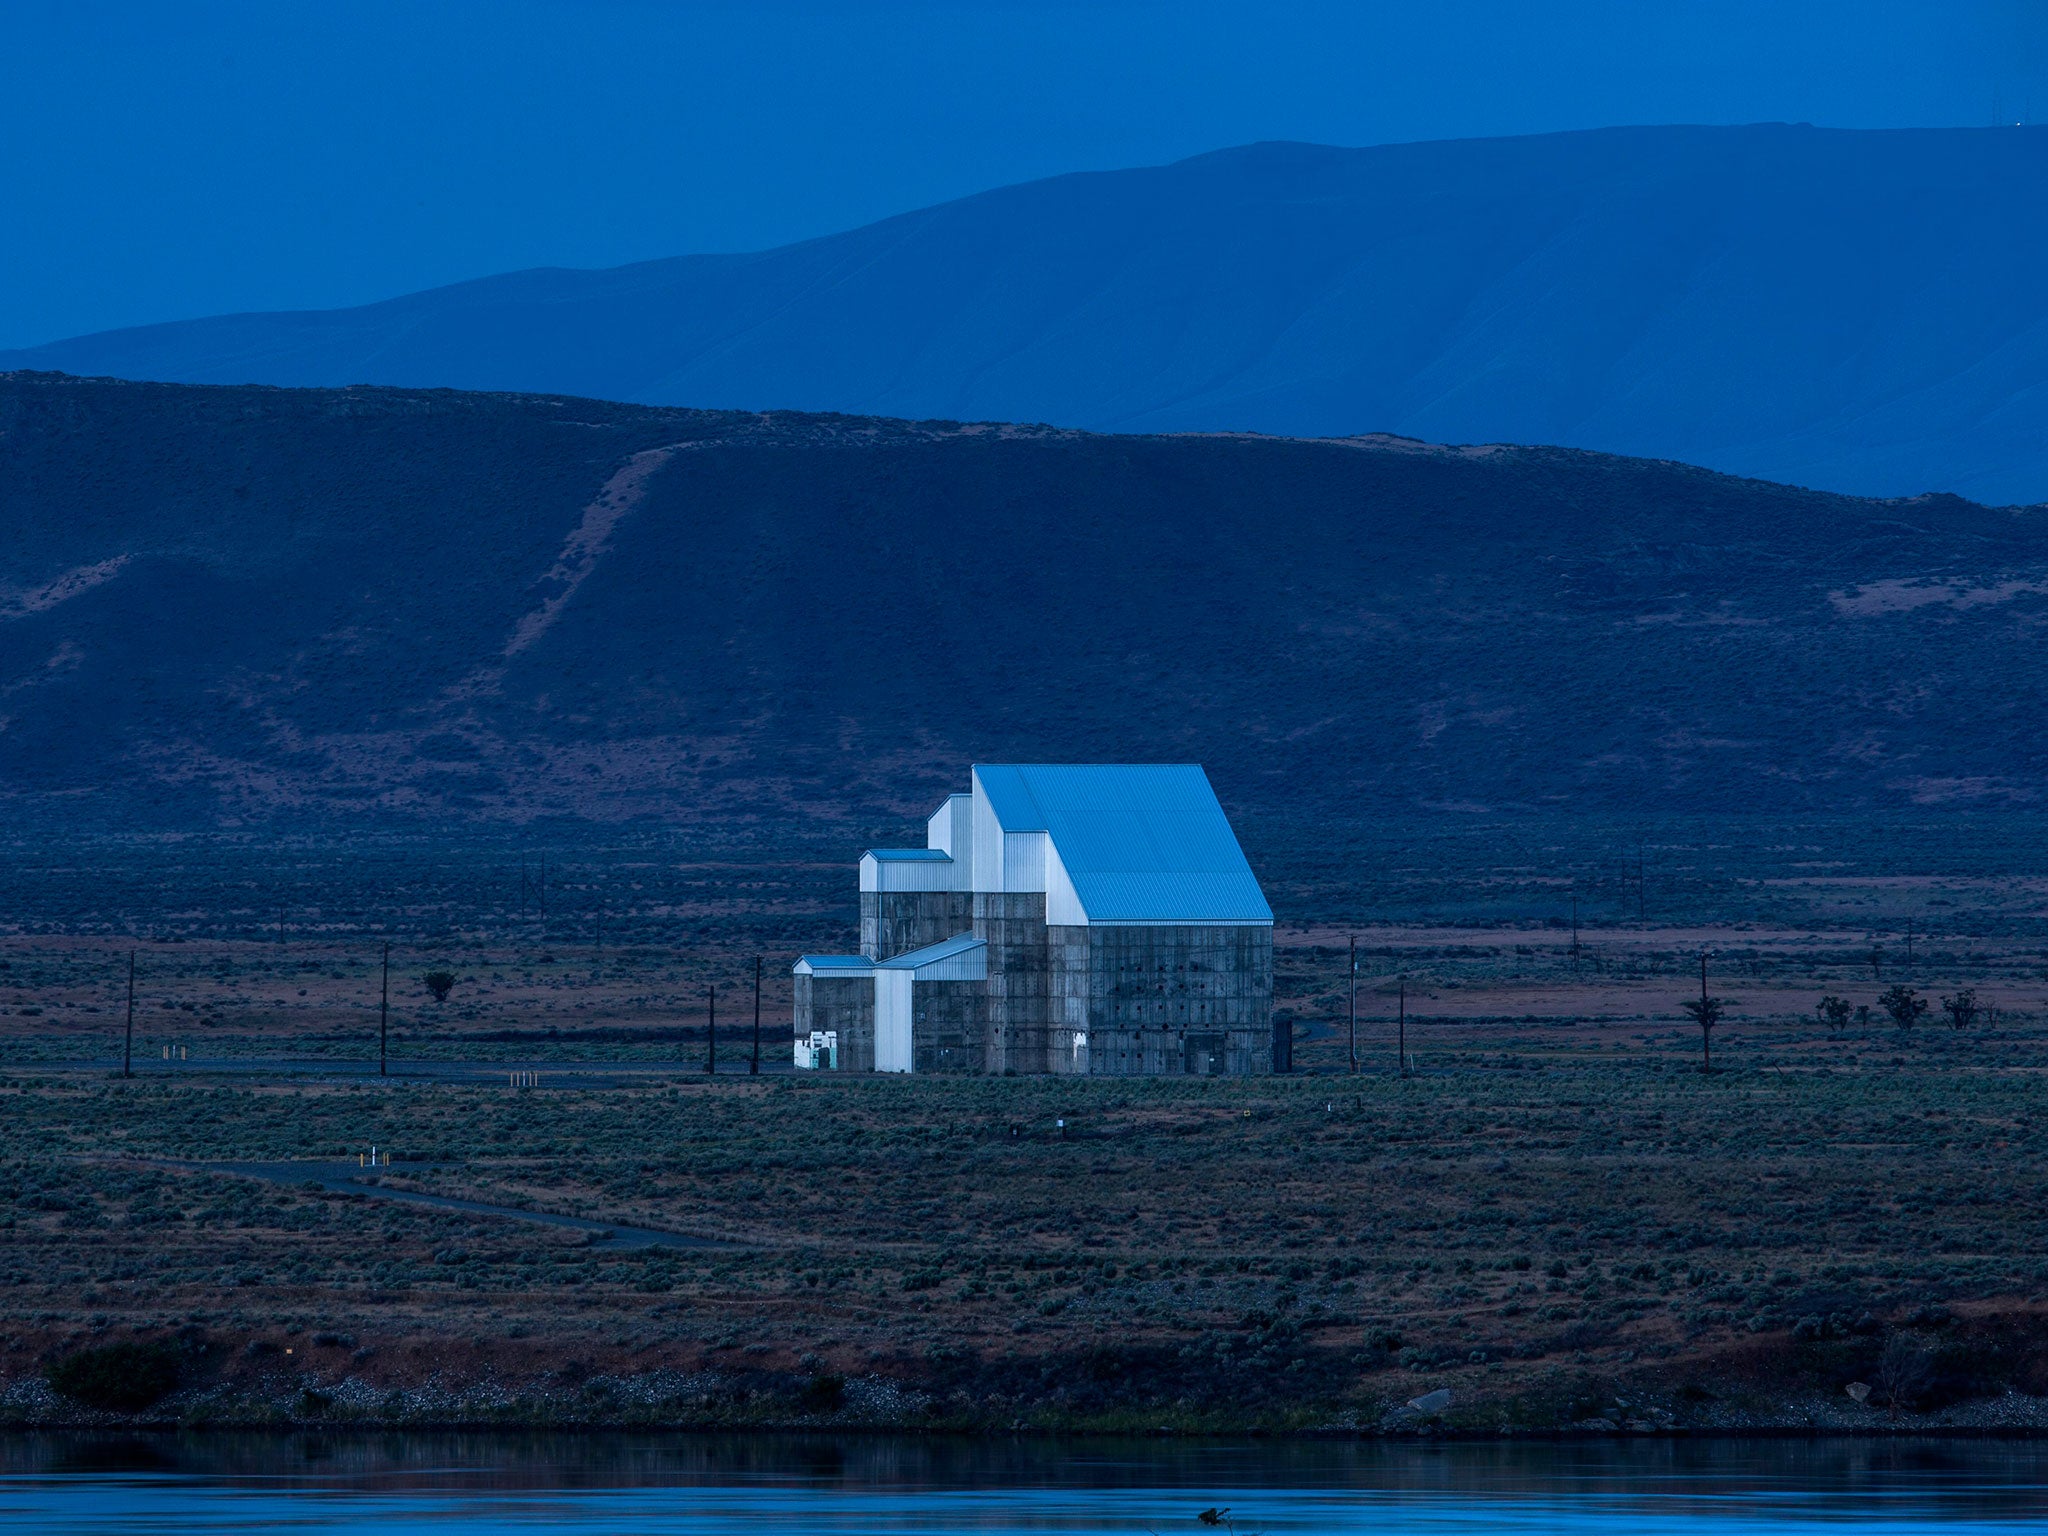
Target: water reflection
point(847, 1486)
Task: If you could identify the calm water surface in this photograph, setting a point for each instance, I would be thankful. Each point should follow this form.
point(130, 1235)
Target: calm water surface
point(721, 1486)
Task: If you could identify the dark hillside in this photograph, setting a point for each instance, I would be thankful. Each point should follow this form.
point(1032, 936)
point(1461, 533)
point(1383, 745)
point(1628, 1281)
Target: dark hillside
point(318, 604)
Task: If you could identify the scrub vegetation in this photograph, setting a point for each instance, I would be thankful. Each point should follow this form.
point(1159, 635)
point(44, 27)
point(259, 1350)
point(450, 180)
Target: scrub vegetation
point(1530, 1211)
point(1555, 1217)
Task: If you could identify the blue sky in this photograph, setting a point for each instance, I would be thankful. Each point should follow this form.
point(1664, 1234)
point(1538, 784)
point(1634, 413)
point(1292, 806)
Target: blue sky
point(162, 160)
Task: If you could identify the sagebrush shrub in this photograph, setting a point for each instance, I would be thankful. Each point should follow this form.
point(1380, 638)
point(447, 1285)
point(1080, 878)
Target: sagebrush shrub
point(117, 1378)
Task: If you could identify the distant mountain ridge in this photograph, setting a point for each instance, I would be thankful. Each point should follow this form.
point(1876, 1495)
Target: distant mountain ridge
point(1855, 310)
point(259, 604)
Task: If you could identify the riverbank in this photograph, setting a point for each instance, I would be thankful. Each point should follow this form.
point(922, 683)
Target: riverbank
point(1961, 1376)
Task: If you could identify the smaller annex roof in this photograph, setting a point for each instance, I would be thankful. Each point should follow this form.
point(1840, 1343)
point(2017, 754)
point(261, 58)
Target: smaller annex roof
point(945, 949)
point(835, 965)
point(1142, 842)
point(960, 958)
point(910, 855)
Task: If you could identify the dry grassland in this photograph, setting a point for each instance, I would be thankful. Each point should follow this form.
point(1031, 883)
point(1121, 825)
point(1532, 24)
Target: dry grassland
point(1555, 1215)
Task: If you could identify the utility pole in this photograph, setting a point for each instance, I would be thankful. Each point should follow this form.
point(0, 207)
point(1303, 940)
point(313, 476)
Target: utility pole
point(1401, 1037)
point(1354, 1002)
point(128, 1035)
point(754, 1070)
point(1706, 1033)
point(710, 1029)
point(384, 1018)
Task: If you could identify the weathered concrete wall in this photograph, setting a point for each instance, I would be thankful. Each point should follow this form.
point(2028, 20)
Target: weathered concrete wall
point(1120, 1001)
point(1070, 962)
point(1018, 979)
point(1167, 1001)
point(949, 1026)
point(842, 1003)
point(894, 923)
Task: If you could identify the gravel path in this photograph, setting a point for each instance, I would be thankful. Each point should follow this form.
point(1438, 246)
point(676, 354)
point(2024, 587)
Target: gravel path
point(348, 1179)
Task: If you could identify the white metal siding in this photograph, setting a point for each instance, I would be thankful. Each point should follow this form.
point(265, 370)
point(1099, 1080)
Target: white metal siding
point(1063, 907)
point(909, 874)
point(962, 807)
point(1024, 861)
point(987, 864)
point(892, 1021)
point(951, 831)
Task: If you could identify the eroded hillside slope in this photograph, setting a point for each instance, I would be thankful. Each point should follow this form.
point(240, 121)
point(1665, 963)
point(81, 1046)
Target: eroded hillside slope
point(255, 602)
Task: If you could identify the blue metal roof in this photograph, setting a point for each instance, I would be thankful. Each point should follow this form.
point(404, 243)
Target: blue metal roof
point(1142, 842)
point(836, 962)
point(945, 949)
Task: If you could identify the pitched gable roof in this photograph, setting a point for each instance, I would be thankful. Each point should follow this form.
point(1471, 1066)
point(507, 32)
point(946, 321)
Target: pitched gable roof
point(1141, 842)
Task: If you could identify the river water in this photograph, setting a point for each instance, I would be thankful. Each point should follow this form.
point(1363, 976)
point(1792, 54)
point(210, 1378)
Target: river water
point(481, 1485)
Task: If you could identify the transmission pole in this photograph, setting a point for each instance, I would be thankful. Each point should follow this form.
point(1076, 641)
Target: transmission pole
point(754, 1069)
point(1706, 1029)
point(711, 1029)
point(128, 1035)
point(1354, 1002)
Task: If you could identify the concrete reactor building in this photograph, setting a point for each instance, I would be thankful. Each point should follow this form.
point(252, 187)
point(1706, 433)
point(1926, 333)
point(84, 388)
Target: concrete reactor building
point(1083, 918)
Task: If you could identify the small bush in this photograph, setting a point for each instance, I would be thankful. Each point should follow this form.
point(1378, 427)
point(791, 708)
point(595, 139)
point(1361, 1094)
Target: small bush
point(824, 1394)
point(1906, 1006)
point(118, 1378)
point(1904, 1372)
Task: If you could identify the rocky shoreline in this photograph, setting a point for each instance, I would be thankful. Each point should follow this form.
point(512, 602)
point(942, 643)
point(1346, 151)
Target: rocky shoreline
point(267, 1392)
